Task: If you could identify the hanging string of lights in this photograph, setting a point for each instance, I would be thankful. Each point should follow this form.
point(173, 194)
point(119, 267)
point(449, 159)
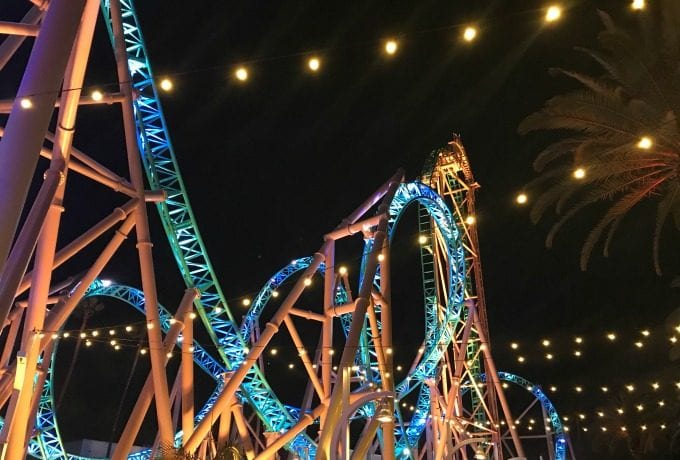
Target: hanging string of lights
point(468, 33)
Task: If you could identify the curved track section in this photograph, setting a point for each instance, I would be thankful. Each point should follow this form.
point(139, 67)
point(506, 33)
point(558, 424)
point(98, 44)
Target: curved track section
point(437, 331)
point(49, 443)
point(555, 420)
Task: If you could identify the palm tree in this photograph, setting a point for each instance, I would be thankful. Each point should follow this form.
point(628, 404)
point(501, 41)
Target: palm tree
point(619, 136)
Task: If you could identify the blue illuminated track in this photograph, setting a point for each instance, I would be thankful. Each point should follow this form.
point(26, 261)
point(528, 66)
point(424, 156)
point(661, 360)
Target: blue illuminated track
point(181, 229)
point(555, 421)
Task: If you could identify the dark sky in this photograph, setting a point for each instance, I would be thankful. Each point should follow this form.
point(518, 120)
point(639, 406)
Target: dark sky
point(273, 164)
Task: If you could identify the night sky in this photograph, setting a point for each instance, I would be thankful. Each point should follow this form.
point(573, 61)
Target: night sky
point(273, 164)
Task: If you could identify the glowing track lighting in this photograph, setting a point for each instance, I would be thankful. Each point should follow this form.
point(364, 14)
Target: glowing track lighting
point(25, 103)
point(97, 95)
point(579, 173)
point(638, 5)
point(470, 33)
point(314, 64)
point(521, 198)
point(645, 143)
point(241, 74)
point(553, 13)
point(391, 47)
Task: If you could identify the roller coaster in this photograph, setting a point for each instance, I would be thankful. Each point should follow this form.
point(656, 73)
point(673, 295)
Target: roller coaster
point(450, 404)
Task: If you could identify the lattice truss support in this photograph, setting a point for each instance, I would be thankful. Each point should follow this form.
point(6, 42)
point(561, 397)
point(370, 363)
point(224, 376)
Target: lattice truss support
point(351, 407)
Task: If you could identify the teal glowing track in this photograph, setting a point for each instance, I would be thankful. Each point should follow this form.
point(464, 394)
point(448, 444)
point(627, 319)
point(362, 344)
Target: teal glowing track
point(230, 339)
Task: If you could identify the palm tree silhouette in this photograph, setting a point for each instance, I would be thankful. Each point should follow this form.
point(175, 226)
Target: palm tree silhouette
point(618, 138)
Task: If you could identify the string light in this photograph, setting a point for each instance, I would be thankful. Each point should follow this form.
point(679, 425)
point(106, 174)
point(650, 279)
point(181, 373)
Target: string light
point(391, 47)
point(245, 302)
point(521, 198)
point(342, 270)
point(112, 332)
point(579, 173)
point(96, 95)
point(545, 343)
point(553, 13)
point(549, 356)
point(166, 84)
point(577, 353)
point(422, 239)
point(470, 220)
point(308, 282)
point(470, 33)
point(273, 351)
point(314, 64)
point(275, 294)
point(514, 345)
point(638, 5)
point(241, 74)
point(578, 339)
point(639, 344)
point(611, 336)
point(520, 359)
point(645, 143)
point(381, 257)
point(604, 389)
point(25, 103)
point(630, 388)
